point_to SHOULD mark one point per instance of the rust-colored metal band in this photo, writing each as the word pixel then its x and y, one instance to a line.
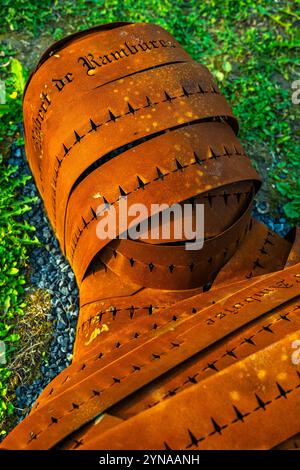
pixel 258 416
pixel 157 266
pixel 246 342
pixel 70 65
pixel 293 443
pixel 129 317
pixel 99 386
pixel 122 110
pixel 294 254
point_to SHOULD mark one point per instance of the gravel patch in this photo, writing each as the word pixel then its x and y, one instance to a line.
pixel 278 224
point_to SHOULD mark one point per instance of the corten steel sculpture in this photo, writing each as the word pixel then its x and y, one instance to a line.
pixel 175 349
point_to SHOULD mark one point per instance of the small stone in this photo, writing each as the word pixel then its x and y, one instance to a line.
pixel 64 291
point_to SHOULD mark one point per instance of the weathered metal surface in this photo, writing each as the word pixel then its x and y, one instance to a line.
pixel 178 349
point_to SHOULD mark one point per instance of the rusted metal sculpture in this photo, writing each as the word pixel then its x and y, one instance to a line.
pixel 175 349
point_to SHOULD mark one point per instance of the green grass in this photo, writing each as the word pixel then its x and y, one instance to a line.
pixel 250 46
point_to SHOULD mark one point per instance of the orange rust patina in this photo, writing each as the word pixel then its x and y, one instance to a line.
pixel 175 349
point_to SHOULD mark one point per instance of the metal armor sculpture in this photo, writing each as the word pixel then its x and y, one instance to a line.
pixel 175 349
